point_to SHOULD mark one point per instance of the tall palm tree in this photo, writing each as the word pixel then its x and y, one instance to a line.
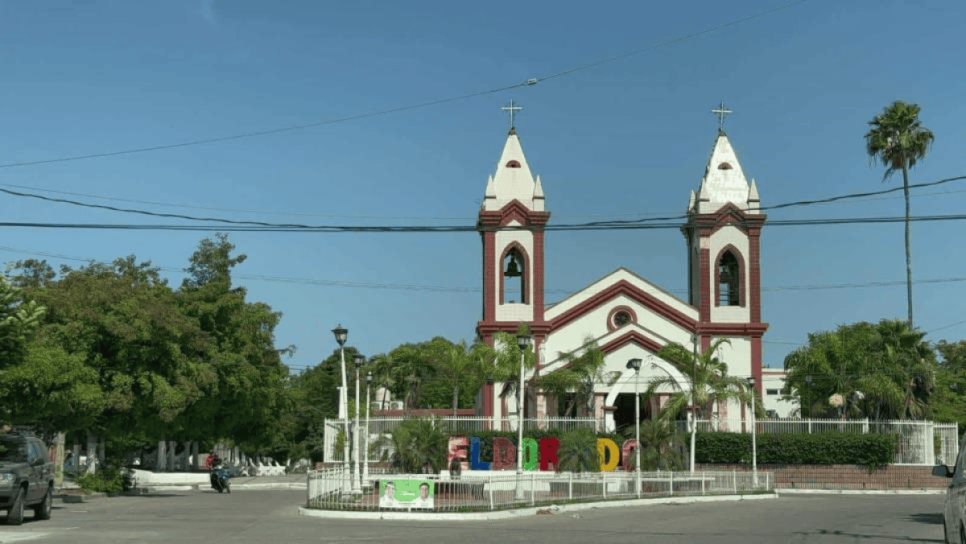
pixel 898 140
pixel 710 383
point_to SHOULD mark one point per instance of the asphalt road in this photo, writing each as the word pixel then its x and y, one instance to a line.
pixel 272 517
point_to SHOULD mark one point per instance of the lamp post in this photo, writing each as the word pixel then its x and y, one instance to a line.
pixel 692 413
pixel 635 364
pixel 754 444
pixel 359 360
pixel 365 465
pixel 341 333
pixel 523 342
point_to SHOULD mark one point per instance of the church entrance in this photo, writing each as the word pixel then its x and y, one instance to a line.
pixel 624 413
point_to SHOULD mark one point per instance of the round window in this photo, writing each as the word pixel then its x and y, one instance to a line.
pixel 622 318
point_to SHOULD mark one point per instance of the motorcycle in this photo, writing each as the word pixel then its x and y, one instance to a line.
pixel 220 479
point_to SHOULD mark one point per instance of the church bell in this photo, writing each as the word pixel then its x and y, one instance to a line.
pixel 512 270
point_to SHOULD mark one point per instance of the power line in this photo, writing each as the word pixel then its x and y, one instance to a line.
pixel 593 225
pixel 242 226
pixel 376 113
pixel 476 290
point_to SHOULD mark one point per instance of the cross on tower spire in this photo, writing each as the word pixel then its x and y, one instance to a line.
pixel 721 111
pixel 512 109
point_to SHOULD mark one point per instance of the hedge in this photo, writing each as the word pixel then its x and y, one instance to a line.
pixel 870 450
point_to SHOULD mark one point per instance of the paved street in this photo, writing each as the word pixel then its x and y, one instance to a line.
pixel 271 516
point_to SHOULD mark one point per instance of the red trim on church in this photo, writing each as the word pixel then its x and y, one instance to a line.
pixel 628 289
pixel 631 337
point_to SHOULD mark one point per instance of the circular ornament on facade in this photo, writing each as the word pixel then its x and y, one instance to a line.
pixel 620 316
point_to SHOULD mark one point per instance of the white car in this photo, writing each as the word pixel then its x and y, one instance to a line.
pixel 954 513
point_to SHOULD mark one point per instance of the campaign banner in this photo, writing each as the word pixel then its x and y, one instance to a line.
pixel 406 494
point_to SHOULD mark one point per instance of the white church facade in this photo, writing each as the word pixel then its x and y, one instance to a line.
pixel 625 314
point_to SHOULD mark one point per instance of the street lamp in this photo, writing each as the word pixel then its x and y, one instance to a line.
pixel 692 412
pixel 635 364
pixel 359 360
pixel 523 342
pixel 365 465
pixel 341 333
pixel 754 444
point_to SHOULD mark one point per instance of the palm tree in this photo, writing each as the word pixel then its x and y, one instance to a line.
pixel 710 383
pixel 898 140
pixel 577 377
pixel 459 366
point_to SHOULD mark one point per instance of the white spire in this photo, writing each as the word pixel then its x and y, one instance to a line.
pixel 724 181
pixel 512 180
pixel 538 200
pixel 754 202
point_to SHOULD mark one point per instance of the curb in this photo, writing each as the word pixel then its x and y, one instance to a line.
pixel 522 512
pixel 860 491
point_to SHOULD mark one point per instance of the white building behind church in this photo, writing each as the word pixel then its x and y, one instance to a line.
pixel 628 316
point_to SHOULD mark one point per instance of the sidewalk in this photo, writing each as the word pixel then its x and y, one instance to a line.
pixel 70 491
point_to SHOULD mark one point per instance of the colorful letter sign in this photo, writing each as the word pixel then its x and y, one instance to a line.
pixel 542 455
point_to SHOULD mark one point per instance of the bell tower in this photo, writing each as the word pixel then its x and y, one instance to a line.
pixel 511 224
pixel 723 233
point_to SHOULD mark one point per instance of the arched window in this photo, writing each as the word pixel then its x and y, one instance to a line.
pixel 729 280
pixel 514 278
pixel 513 164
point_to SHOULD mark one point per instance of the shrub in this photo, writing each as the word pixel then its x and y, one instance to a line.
pixel 417 443
pixel 105 480
pixel 578 451
pixel 870 450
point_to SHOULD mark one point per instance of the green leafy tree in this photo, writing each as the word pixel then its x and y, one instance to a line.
pixel 458 367
pixel 948 401
pixel 411 368
pixel 898 140
pixel 880 371
pixel 19 320
pixel 247 383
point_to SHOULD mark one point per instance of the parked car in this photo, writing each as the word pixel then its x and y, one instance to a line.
pixel 954 513
pixel 26 477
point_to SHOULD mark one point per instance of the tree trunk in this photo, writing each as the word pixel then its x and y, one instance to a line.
pixel 456 399
pixel 905 191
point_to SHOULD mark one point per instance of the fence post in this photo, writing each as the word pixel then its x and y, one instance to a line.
pixel 702 482
pixel 809 425
pixel 570 485
pixel 865 426
pixel 671 482
pixel 490 486
pixel 734 476
pixel 603 479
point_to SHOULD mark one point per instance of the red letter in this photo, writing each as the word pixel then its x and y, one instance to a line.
pixel 548 452
pixel 504 453
pixel 457 450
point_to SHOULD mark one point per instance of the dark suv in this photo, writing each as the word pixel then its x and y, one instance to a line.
pixel 26 477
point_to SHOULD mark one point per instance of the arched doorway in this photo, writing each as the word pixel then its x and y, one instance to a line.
pixel 624 411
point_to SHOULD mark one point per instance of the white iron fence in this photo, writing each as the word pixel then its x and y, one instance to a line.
pixel 383 426
pixel 335 489
pixel 920 442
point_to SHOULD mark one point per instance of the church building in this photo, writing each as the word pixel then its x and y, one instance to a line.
pixel 626 315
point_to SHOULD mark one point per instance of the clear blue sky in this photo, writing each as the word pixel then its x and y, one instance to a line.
pixel 620 140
